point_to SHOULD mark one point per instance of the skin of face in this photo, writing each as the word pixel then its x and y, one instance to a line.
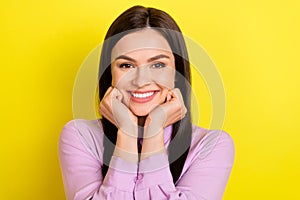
pixel 143 70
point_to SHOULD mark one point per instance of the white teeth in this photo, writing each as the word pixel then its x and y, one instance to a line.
pixel 142 95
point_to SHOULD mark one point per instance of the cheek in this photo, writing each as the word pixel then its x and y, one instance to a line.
pixel 165 78
pixel 122 79
pixel 122 85
pixel 117 77
pixel 166 82
pixel 121 82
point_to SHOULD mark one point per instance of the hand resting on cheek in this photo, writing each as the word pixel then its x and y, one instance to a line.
pixel 112 108
pixel 165 114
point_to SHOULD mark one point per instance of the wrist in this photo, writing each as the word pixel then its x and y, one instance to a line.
pixel 126 147
pixel 130 130
pixel 153 131
pixel 153 145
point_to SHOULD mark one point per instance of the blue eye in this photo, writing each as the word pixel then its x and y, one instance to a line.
pixel 158 65
pixel 126 65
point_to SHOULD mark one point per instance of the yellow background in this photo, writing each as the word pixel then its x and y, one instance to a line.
pixel 254 44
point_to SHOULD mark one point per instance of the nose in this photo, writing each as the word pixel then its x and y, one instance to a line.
pixel 142 76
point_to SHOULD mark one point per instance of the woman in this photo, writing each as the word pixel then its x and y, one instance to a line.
pixel 145 146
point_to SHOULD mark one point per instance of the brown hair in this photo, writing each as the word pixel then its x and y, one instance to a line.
pixel 134 18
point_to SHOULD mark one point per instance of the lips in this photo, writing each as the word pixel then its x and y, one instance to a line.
pixel 143 96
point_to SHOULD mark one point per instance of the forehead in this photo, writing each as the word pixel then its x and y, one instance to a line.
pixel 144 39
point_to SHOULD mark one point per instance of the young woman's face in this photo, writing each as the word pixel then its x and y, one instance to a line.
pixel 143 69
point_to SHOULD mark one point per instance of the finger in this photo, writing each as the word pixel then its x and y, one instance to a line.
pixel 104 110
pixel 119 95
pixel 179 99
pixel 169 96
pixel 176 93
pixel 106 113
pixel 116 94
pixel 108 91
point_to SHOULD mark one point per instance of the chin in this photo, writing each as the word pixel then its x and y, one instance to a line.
pixel 141 110
pixel 140 113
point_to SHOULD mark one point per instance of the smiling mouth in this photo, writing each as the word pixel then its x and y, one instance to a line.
pixel 143 97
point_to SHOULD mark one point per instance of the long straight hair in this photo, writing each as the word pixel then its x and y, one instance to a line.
pixel 139 17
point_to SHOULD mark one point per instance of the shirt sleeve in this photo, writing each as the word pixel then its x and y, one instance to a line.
pixel 205 178
pixel 82 175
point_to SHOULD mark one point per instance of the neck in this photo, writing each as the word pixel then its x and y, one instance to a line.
pixel 141 121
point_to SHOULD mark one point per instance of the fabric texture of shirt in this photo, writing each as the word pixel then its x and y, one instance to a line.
pixel 204 175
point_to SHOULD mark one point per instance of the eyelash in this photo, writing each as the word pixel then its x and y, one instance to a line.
pixel 161 65
pixel 128 65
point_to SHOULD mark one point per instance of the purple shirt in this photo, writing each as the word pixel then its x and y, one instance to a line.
pixel 204 175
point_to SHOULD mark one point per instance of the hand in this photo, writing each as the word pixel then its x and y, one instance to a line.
pixel 165 114
pixel 112 108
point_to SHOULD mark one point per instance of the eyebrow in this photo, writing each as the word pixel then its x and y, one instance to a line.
pixel 149 60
